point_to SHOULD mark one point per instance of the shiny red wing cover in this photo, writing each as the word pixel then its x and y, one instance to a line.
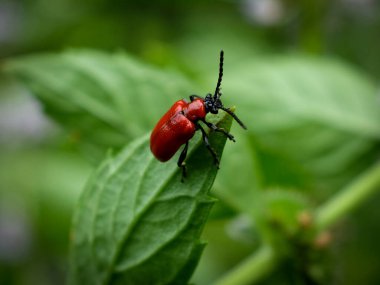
pixel 171 131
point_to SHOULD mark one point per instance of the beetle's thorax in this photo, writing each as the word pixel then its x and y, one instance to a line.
pixel 195 110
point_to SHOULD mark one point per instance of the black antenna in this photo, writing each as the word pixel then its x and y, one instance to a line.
pixel 217 90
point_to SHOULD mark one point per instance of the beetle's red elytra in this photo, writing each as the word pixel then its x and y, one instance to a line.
pixel 178 125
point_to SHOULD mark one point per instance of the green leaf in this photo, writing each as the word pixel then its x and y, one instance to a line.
pixel 319 116
pixel 242 192
pixel 104 100
pixel 136 223
pixel 298 89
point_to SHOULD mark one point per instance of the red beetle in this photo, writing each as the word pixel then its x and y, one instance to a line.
pixel 179 124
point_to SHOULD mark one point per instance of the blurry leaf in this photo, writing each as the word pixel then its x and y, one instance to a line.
pixel 136 223
pixel 278 168
pixel 102 99
pixel 296 89
pixel 239 181
pixel 320 116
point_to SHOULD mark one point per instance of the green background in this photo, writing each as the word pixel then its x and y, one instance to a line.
pixel 303 75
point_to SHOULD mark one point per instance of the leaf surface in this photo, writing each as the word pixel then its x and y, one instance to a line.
pixel 103 99
pixel 312 123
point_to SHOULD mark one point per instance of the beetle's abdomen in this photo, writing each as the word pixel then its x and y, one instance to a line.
pixel 172 131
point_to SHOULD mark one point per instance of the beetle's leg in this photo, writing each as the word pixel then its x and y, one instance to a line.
pixel 216 129
pixel 181 161
pixel 193 97
pixel 232 114
pixel 205 140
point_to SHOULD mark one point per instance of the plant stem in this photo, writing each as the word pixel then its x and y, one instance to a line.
pixel 252 269
pixel 349 198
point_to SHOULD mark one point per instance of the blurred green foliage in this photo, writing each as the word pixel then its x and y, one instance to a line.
pixel 303 74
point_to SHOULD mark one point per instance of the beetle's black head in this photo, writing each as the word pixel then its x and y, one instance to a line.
pixel 213 102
